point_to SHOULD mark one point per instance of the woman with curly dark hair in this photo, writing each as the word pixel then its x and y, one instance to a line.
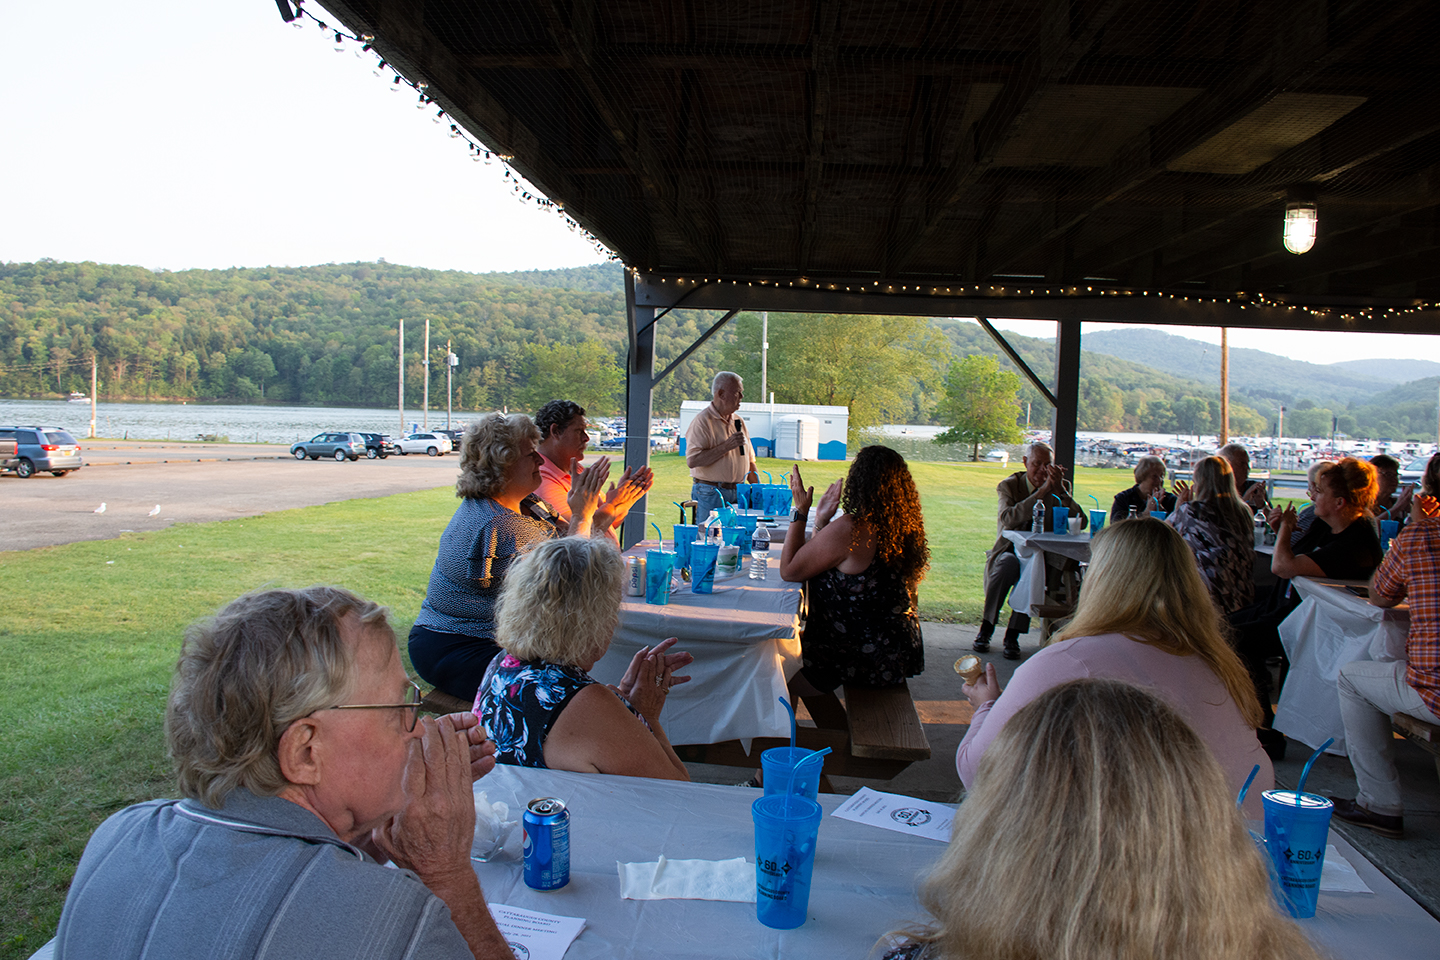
pixel 864 567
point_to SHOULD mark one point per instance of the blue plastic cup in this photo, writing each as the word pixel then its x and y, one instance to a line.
pixel 1097 521
pixel 1060 519
pixel 658 566
pixel 684 536
pixel 786 829
pixel 742 495
pixel 1159 514
pixel 737 536
pixel 1296 828
pixel 1389 530
pixel 702 566
pixel 777 762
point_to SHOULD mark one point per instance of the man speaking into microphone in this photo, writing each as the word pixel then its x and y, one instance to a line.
pixel 717 447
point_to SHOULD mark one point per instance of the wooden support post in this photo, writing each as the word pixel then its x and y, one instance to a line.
pixel 1067 393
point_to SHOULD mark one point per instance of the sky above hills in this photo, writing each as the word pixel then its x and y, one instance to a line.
pixel 213 135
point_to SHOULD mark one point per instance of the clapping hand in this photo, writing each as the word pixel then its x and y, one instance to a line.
pixel 829 503
pixel 1182 492
pixel 650 676
pixel 620 497
pixel 800 495
pixel 584 496
pixel 1424 508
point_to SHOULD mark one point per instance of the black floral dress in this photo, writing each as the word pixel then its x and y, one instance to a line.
pixel 519 701
pixel 863 630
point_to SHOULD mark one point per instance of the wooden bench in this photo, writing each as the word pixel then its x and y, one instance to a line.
pixel 1424 735
pixel 874 735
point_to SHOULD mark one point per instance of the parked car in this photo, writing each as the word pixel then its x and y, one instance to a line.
pixel 432 444
pixel 41 448
pixel 455 437
pixel 1414 471
pixel 378 445
pixel 341 446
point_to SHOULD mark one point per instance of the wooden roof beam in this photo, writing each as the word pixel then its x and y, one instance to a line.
pixel 1062 44
pixel 823 43
pixel 1148 154
pixel 574 35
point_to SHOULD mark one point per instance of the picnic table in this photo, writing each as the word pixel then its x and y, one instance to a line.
pixel 864 880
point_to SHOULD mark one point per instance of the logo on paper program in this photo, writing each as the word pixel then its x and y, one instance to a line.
pixel 910 816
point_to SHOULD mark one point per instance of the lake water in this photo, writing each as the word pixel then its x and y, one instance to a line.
pixel 238 422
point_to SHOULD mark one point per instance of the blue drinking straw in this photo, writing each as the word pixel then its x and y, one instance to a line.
pixel 767 475
pixel 658 534
pixel 791 711
pixel 1240 800
pixel 1092 497
pixel 1300 788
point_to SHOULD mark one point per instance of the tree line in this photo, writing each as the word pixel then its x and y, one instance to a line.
pixel 327 335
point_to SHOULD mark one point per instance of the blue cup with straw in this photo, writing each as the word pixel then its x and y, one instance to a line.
pixel 786 830
pixel 1297 826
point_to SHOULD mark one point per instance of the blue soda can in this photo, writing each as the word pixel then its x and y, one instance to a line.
pixel 547 844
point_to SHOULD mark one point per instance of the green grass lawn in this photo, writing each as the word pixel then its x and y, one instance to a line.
pixel 91 630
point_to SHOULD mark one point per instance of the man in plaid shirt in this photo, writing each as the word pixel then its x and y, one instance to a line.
pixel 1370 691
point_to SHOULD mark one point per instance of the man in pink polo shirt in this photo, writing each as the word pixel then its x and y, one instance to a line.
pixel 717 447
pixel 563 438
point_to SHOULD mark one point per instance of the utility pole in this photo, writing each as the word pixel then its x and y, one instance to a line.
pixel 425 416
pixel 451 361
pixel 1224 386
pixel 402 376
pixel 764 351
pixel 94 365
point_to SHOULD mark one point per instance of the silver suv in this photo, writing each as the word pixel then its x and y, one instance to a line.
pixel 42 449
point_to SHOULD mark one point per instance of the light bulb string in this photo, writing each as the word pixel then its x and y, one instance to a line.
pixel 478 151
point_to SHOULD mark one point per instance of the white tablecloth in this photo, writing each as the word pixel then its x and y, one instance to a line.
pixel 1330 628
pixel 863 885
pixel 1031 548
pixel 745 638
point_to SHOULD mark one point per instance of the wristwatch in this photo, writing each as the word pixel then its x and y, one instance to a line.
pixel 798 516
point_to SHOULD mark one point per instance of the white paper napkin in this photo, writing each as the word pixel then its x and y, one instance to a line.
pixel 1338 876
pixel 688 880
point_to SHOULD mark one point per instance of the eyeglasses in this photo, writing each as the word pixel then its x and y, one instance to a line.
pixel 416 696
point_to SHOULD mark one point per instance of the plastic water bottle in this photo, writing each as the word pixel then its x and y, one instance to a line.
pixel 1037 518
pixel 759 552
pixel 1259 529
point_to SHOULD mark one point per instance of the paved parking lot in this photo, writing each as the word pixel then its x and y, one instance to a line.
pixel 191 483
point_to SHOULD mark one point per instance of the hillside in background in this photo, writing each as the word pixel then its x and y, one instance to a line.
pixel 1391 371
pixel 1252 372
pixel 327 335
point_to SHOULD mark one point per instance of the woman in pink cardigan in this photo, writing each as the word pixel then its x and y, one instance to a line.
pixel 1144 617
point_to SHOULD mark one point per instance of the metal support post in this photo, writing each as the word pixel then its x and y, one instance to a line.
pixel 639 380
pixel 1067 393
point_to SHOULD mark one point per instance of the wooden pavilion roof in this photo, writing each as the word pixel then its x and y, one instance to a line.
pixel 1114 143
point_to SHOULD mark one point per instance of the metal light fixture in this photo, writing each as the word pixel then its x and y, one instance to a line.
pixel 1300 222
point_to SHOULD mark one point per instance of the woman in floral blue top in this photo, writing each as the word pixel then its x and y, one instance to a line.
pixel 556 614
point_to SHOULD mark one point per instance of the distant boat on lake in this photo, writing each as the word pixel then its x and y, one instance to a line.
pixel 78 397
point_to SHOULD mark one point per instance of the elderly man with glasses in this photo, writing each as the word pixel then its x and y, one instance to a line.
pixel 304 767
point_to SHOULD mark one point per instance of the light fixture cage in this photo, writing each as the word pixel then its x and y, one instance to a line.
pixel 1300 223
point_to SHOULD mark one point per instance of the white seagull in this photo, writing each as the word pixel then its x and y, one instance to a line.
pixel 100 509
pixel 155 512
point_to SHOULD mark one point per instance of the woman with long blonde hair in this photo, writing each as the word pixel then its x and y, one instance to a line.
pixel 1100 826
pixel 1144 617
pixel 1219 530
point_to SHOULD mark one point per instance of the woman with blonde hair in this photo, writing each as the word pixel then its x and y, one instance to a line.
pixel 542 708
pixel 499 518
pixel 1219 530
pixel 1144 617
pixel 1099 826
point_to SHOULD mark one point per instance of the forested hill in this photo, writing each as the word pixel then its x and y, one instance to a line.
pixel 1253 372
pixel 323 334
pixel 327 335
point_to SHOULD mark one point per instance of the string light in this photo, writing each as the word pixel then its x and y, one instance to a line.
pixel 478 152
